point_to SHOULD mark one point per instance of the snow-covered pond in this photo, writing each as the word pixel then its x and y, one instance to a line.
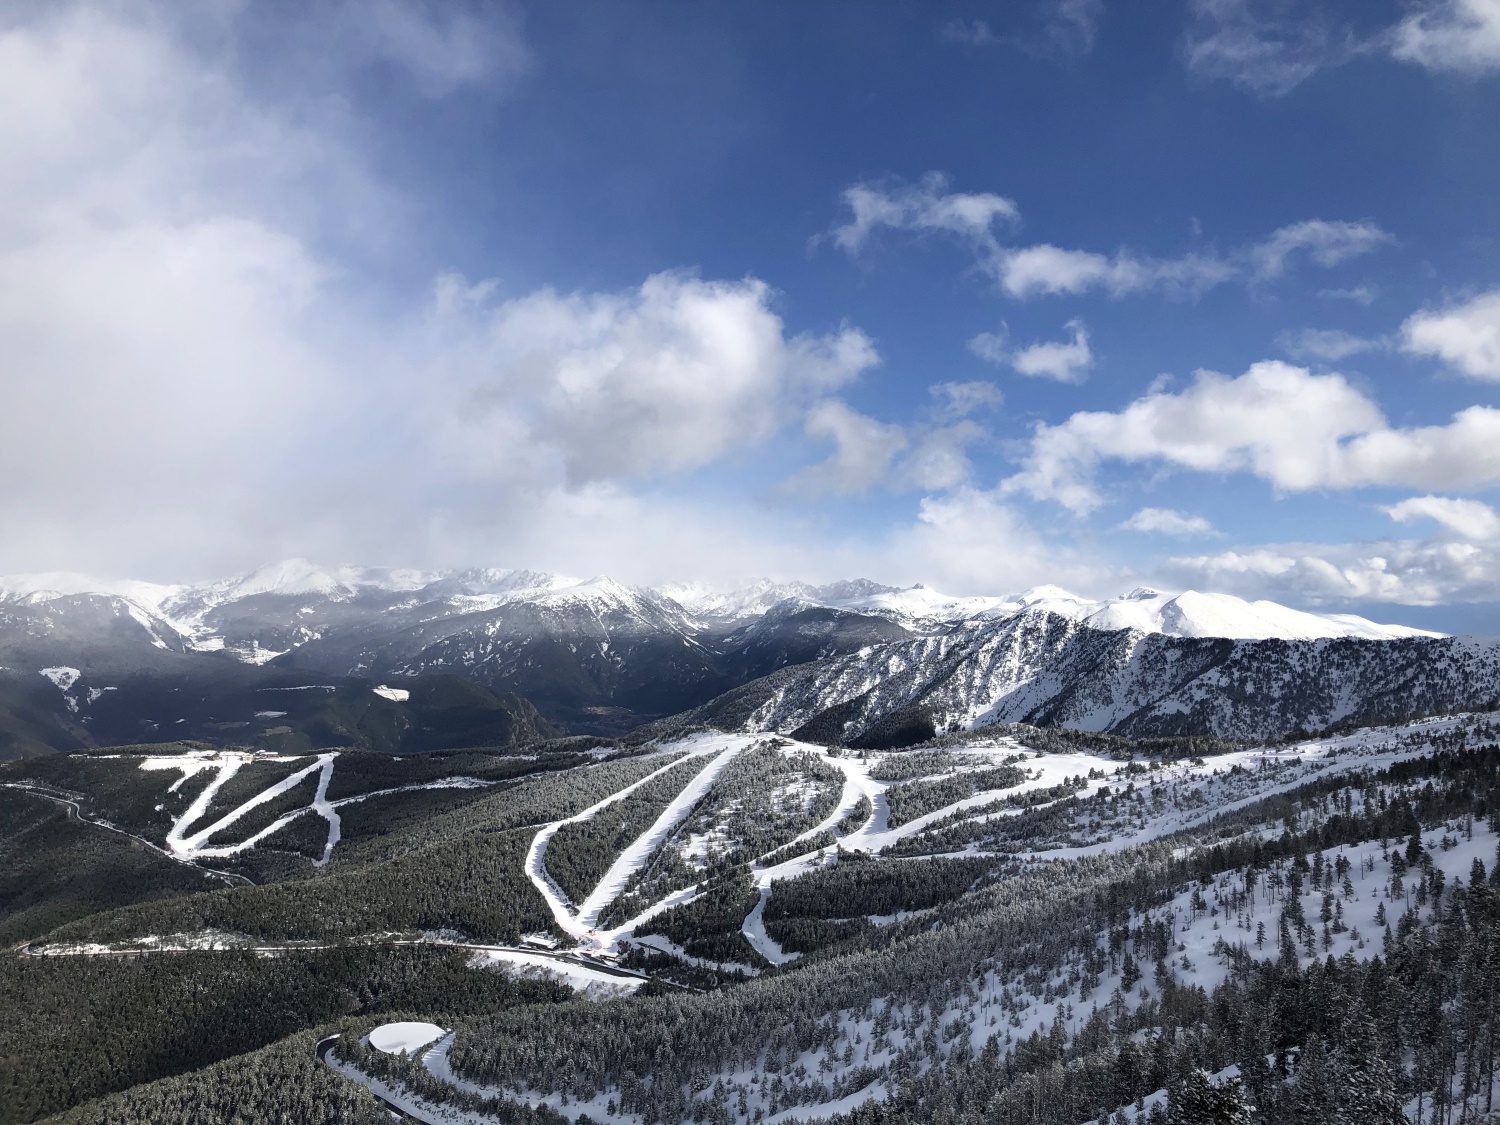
pixel 394 1038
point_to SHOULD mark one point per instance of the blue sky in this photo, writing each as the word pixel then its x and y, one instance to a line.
pixel 982 295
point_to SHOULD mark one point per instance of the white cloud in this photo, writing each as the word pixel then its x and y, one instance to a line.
pixel 1297 430
pixel 970 540
pixel 1329 344
pixel 1466 336
pixel 922 207
pixel 1047 270
pixel 959 400
pixel 1326 243
pixel 1269 47
pixel 992 347
pixel 1451 35
pixel 1066 361
pixel 1472 519
pixel 1404 572
pixel 665 378
pixel 1168 521
pixel 929 457
pixel 862 455
pixel 1073 25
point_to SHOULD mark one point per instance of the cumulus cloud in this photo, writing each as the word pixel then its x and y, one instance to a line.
pixel 190 387
pixel 1066 361
pixel 1047 270
pixel 663 378
pixel 1464 336
pixel 1295 429
pixel 927 206
pixel 1471 519
pixel 972 539
pixel 1328 344
pixel 1168 521
pixel 931 455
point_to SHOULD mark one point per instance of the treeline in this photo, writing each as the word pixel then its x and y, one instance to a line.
pixel 764 799
pixel 1065 740
pixel 709 926
pixel 1039 922
pixel 279 1085
pixel 912 799
pixel 76 1028
pixel 55 870
pixel 859 886
pixel 475 884
pixel 580 853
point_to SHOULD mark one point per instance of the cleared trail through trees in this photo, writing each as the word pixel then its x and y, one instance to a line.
pixel 580 924
pixel 184 846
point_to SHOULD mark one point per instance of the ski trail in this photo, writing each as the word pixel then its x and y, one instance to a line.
pixel 321 806
pixel 754 929
pixel 634 857
pixel 536 868
pixel 195 811
pixel 193 845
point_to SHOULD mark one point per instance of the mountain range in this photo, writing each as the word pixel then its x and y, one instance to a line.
pixel 849 661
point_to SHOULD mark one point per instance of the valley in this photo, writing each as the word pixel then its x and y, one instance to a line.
pixel 1013 866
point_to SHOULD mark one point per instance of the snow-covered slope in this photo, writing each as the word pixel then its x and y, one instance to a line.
pixel 1050 669
pixel 1188 614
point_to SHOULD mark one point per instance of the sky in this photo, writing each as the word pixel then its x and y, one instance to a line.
pixel 1200 294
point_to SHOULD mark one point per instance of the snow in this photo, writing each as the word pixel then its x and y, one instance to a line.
pixel 405 1038
pixel 1195 614
pixel 394 694
pixel 754 929
pixel 62 676
pixel 594 983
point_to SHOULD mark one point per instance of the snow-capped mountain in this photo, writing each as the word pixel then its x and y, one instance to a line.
pixel 595 654
pixel 1051 669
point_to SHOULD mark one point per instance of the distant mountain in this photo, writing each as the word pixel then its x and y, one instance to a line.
pixel 593 655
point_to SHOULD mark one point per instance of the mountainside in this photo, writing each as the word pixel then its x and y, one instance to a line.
pixel 729 928
pixel 1047 669
pixel 600 657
